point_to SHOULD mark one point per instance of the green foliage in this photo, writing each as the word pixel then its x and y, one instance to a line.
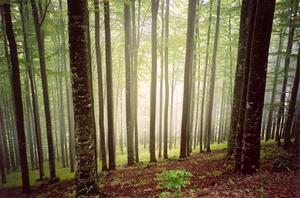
pixel 164 194
pixel 173 179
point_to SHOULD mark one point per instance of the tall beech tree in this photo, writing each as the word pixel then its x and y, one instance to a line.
pixel 292 105
pixel 85 172
pixel 240 67
pixel 102 148
pixel 42 58
pixel 129 127
pixel 256 85
pixel 17 94
pixel 187 75
pixel 154 10
pixel 212 79
pixel 109 84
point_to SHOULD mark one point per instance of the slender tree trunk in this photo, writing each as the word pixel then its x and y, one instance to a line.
pixel 161 79
pixel 17 96
pixel 100 85
pixel 202 128
pixel 135 46
pixel 2 148
pixel 109 84
pixel 256 86
pixel 154 10
pixel 280 117
pixel 41 49
pixel 82 99
pixel 187 75
pixel 292 105
pixel 212 79
pixel 274 88
pixel 129 122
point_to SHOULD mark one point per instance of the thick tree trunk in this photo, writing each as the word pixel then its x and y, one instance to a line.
pixel 109 84
pixel 82 98
pixel 239 76
pixel 256 86
pixel 187 75
pixel 243 99
pixel 17 97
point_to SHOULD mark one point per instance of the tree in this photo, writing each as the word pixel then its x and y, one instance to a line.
pixel 41 49
pixel 166 131
pixel 154 10
pixel 212 79
pixel 187 76
pixel 82 99
pixel 270 116
pixel 17 95
pixel 256 86
pixel 100 85
pixel 205 78
pixel 241 62
pixel 243 100
pixel 2 152
pixel 127 27
pixel 292 105
pixel 109 83
pixel 280 117
pixel 29 69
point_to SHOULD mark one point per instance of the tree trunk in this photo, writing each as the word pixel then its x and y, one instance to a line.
pixel 154 10
pixel 202 128
pixel 212 79
pixel 127 27
pixel 239 76
pixel 100 85
pixel 41 49
pixel 243 99
pixel 292 105
pixel 82 99
pixel 280 117
pixel 274 88
pixel 109 84
pixel 187 75
pixel 256 86
pixel 17 96
pixel 2 148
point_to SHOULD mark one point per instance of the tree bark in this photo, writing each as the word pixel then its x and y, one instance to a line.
pixel 109 84
pixel 82 99
pixel 187 75
pixel 292 105
pixel 100 85
pixel 129 127
pixel 256 86
pixel 212 79
pixel 17 96
pixel 154 10
pixel 41 49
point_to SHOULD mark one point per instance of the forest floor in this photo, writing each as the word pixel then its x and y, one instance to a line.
pixel 211 175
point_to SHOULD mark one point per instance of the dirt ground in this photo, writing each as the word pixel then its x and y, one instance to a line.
pixel 212 176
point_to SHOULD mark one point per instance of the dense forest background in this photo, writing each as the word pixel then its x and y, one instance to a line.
pixel 169 77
